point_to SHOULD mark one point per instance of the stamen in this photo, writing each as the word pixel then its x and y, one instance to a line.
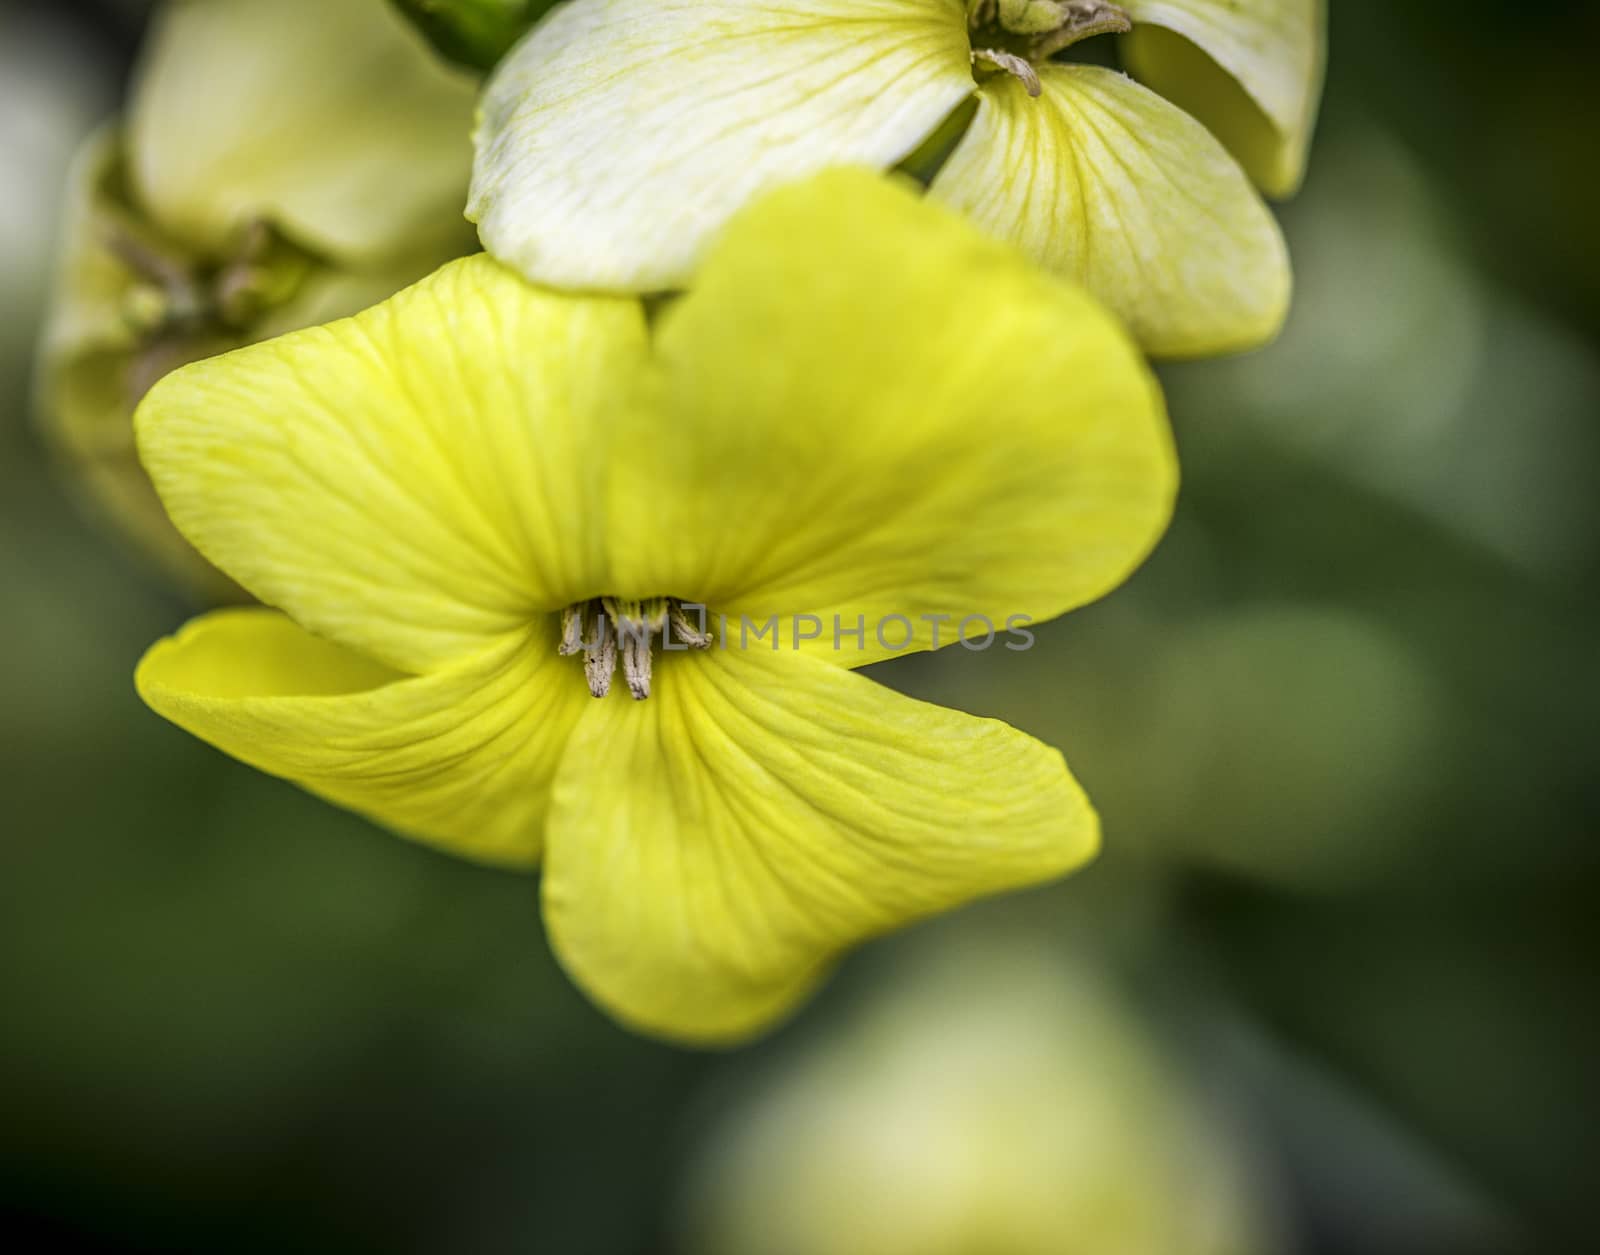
pixel 192 294
pixel 600 656
pixel 239 291
pixel 604 627
pixel 1019 67
pixel 688 633
pixel 637 623
pixel 1080 20
pixel 571 631
pixel 167 295
pixel 151 264
pixel 636 653
pixel 1011 33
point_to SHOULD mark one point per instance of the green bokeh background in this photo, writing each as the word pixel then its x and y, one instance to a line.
pixel 1341 728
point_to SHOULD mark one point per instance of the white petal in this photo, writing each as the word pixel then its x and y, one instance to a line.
pixel 1251 70
pixel 330 118
pixel 1104 181
pixel 620 135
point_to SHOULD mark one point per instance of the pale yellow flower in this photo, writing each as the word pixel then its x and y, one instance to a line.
pixel 620 134
pixel 990 1100
pixel 280 163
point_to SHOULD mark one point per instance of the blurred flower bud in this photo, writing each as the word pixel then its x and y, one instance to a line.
pixel 282 163
pixel 996 1103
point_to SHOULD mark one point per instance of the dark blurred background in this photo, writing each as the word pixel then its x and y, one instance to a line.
pixel 1341 730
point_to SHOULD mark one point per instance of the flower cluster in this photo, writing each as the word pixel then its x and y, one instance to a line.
pixel 720 365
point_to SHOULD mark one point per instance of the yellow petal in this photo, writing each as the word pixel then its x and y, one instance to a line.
pixel 872 410
pixel 1251 70
pixel 332 119
pixel 1102 180
pixel 712 849
pixel 462 758
pixel 620 135
pixel 411 482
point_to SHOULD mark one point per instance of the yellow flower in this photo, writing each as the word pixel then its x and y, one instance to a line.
pixel 282 163
pixel 449 494
pixel 620 134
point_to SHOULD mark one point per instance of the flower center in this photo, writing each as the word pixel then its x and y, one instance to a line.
pixel 1017 36
pixel 604 628
pixel 176 298
pixel 173 293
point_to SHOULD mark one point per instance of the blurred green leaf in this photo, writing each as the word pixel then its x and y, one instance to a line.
pixel 475 33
